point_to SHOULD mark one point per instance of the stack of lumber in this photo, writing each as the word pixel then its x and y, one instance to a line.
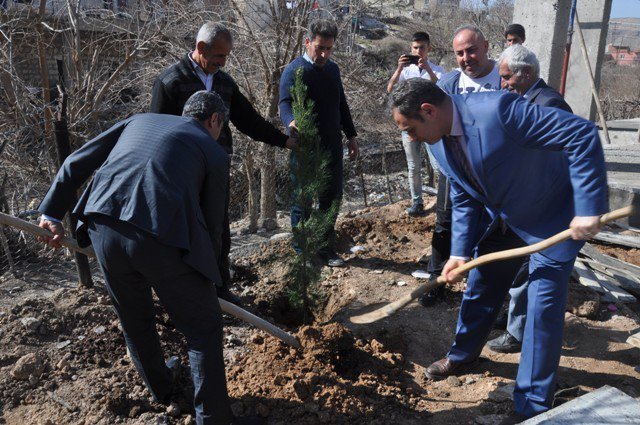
pixel 616 280
pixel 619 234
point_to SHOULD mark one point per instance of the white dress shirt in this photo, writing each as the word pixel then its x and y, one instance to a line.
pixel 207 79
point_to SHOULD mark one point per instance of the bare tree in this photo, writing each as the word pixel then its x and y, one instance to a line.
pixel 620 91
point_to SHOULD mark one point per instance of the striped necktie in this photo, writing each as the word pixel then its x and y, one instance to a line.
pixel 462 161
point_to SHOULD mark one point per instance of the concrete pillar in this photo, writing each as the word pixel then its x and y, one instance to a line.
pixel 545 23
pixel 594 20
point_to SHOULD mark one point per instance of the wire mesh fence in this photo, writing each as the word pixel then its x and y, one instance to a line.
pixel 22 258
pixel 378 177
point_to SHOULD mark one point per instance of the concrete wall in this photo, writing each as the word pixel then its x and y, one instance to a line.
pixel 545 23
pixel 594 20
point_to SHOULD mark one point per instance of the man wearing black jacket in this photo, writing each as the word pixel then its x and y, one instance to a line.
pixel 201 70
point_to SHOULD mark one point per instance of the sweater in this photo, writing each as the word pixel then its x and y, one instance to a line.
pixel 324 87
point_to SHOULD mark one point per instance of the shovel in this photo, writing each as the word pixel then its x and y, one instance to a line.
pixel 226 306
pixel 392 308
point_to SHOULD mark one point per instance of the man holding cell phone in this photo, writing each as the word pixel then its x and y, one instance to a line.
pixel 415 65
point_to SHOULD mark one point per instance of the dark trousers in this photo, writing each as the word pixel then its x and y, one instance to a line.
pixel 223 262
pixel 441 240
pixel 487 288
pixel 331 194
pixel 134 263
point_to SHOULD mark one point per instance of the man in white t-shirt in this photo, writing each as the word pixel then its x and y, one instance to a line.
pixel 476 73
pixel 416 65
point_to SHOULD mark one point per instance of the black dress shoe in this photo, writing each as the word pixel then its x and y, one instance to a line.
pixel 444 368
pixel 505 343
pixel 225 293
pixel 432 297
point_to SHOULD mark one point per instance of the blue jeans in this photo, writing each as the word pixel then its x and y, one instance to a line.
pixel 412 151
pixel 134 263
pixel 414 162
pixel 518 303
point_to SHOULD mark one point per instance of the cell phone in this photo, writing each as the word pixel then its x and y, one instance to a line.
pixel 413 59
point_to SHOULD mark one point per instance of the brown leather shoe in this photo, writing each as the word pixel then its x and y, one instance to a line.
pixel 444 368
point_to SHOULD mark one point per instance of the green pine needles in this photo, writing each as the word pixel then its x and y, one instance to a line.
pixel 309 167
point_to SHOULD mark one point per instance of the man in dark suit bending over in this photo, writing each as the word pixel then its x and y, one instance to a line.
pixel 154 213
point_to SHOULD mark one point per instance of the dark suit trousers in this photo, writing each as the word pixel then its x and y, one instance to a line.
pixel 441 240
pixel 224 263
pixel 133 264
pixel 331 194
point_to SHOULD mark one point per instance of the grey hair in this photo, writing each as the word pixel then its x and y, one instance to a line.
pixel 519 58
pixel 210 31
pixel 409 95
pixel 322 28
pixel 477 31
pixel 202 104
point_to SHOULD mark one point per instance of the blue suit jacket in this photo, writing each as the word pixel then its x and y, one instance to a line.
pixel 164 174
pixel 538 167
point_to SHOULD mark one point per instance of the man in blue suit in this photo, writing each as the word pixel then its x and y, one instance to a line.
pixel 154 213
pixel 540 170
pixel 520 72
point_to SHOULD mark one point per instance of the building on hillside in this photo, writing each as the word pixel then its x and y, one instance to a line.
pixel 100 9
pixel 430 6
pixel 624 55
pixel 624 32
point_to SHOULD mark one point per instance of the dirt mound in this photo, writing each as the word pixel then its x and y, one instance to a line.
pixel 386 232
pixel 335 378
pixel 86 374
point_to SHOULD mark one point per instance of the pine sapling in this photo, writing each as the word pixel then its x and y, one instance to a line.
pixel 310 168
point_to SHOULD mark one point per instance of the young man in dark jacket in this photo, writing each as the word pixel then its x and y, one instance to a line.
pixel 324 87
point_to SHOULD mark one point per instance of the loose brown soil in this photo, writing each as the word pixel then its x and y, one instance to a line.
pixel 77 371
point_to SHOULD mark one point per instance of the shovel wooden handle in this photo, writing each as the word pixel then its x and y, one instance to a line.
pixel 226 306
pixel 393 307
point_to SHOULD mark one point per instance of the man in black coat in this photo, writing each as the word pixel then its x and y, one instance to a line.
pixel 154 213
pixel 520 72
pixel 201 70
